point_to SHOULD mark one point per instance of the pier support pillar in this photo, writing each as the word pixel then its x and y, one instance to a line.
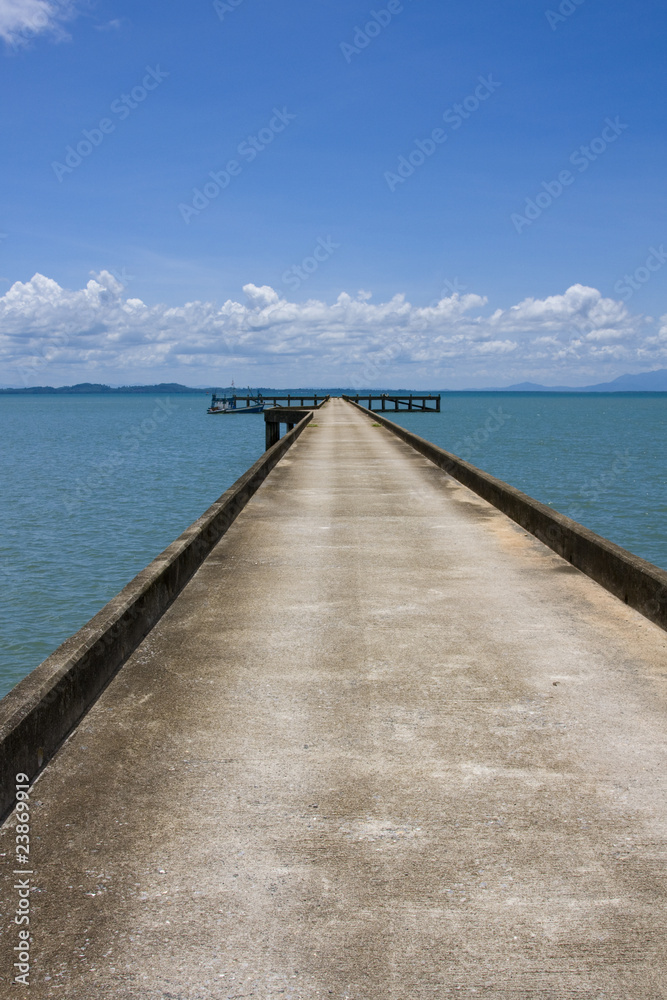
pixel 272 434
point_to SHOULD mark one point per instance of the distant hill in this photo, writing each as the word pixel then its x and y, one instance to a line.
pixel 644 382
pixel 95 388
pixel 87 388
pixel 531 387
pixel 655 381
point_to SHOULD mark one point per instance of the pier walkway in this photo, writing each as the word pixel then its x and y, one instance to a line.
pixel 384 746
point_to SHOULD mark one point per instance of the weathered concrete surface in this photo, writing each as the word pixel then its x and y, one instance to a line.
pixel 634 580
pixel 384 746
pixel 46 705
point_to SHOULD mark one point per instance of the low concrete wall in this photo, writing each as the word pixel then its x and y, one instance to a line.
pixel 635 581
pixel 37 715
pixel 277 415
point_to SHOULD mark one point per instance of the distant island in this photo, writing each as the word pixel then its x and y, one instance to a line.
pixel 655 381
pixel 94 388
pixel 644 382
pixel 88 388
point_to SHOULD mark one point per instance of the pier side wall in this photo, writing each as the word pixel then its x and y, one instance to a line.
pixel 638 583
pixel 43 708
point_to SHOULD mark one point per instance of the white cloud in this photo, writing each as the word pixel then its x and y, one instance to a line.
pixel 96 333
pixel 22 19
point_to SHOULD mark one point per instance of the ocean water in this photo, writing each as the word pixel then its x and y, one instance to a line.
pixel 94 487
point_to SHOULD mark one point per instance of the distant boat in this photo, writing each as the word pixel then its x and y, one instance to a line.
pixel 225 404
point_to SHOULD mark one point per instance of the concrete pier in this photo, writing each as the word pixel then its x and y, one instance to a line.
pixel 385 745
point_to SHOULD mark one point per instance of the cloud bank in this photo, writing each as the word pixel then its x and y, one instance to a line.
pixel 97 334
pixel 21 20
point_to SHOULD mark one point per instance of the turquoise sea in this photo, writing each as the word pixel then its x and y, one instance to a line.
pixel 93 487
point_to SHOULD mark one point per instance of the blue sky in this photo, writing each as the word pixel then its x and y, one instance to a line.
pixel 478 266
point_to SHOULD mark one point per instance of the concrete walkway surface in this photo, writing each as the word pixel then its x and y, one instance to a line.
pixel 384 746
